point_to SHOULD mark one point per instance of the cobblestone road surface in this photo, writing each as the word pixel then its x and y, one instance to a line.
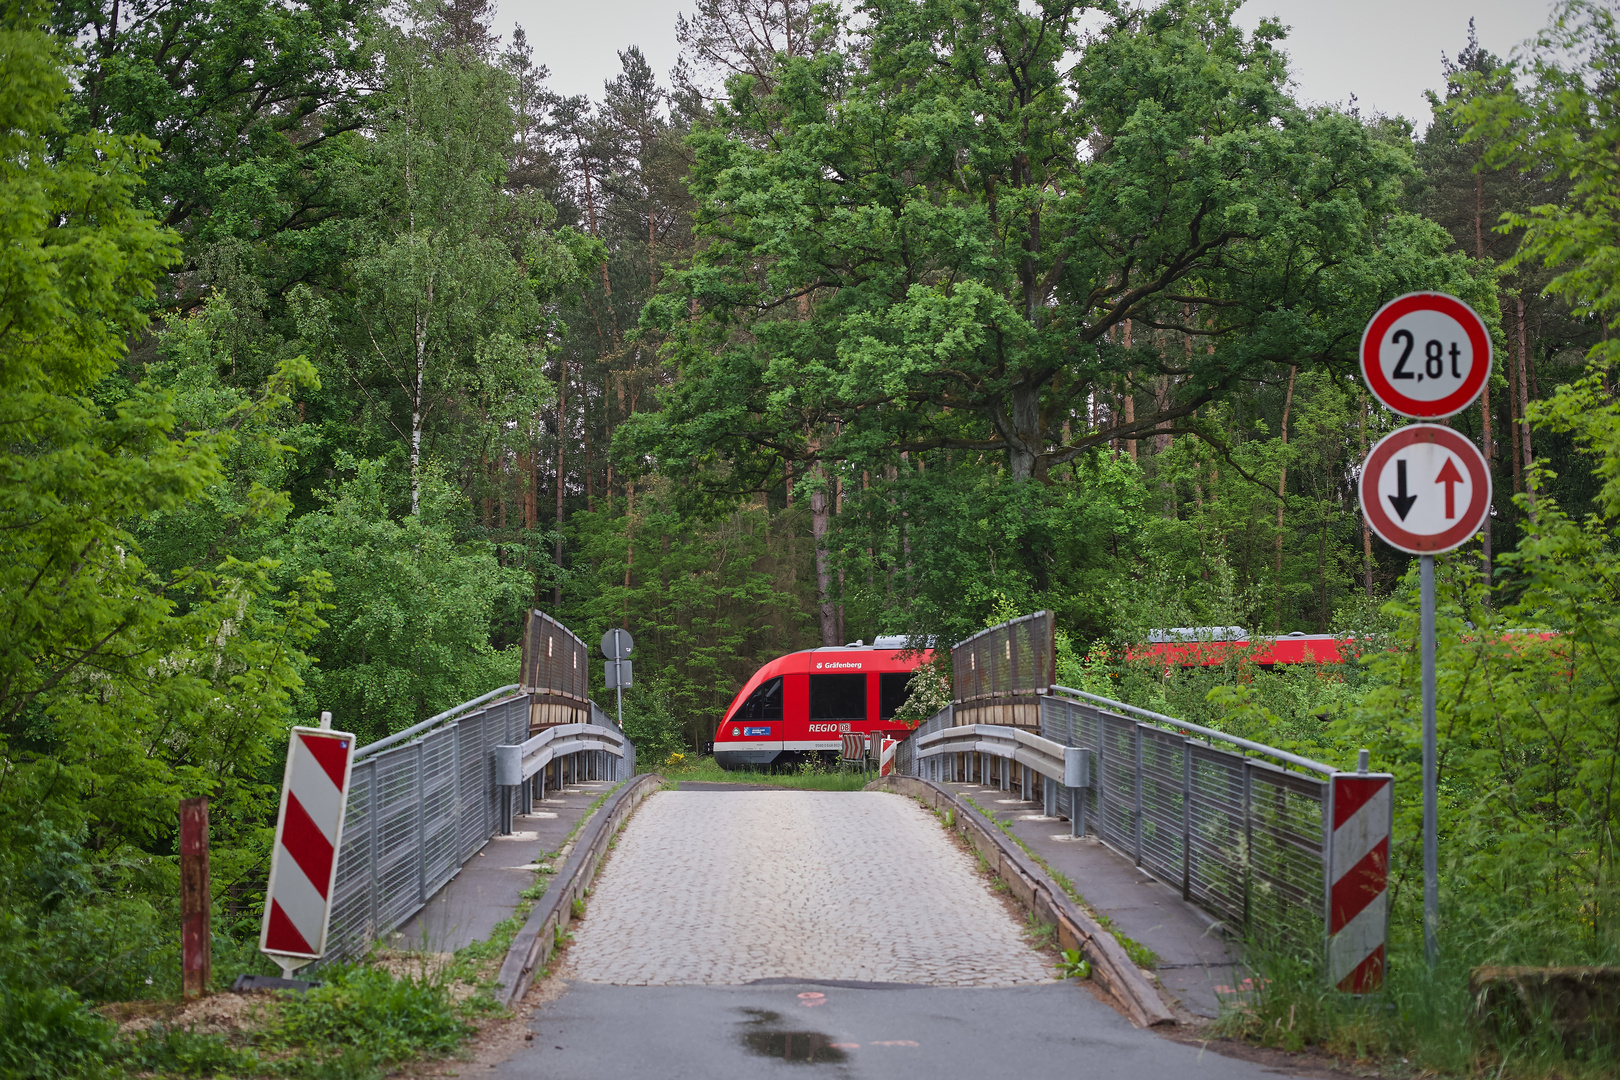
pixel 721 888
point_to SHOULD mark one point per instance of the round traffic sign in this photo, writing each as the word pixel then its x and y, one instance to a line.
pixel 1426 355
pixel 1425 489
pixel 616 644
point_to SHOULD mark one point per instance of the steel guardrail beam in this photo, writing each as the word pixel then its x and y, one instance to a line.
pixel 515 764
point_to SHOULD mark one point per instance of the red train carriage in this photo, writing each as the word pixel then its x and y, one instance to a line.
pixel 797 706
pixel 1199 647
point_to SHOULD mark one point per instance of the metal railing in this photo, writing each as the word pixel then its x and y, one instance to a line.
pixel 1245 838
pixel 423 801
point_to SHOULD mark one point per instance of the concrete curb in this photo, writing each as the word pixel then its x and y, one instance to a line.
pixel 532 946
pixel 1034 888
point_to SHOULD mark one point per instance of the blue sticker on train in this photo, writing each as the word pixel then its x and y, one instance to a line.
pixel 756 731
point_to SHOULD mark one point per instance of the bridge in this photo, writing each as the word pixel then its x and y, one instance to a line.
pixel 912 928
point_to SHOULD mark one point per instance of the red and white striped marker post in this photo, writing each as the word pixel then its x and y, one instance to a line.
pixel 303 863
pixel 886 756
pixel 1362 806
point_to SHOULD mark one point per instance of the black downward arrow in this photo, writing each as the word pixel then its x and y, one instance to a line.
pixel 1402 502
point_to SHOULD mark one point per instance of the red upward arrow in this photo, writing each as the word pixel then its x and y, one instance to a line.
pixel 1450 477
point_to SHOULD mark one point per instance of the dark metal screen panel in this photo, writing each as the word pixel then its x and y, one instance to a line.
pixel 1011 659
pixel 555 660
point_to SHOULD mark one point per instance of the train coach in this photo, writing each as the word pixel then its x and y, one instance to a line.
pixel 797 707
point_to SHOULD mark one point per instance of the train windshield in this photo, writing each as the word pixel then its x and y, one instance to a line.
pixel 893 687
pixel 765 703
pixel 838 697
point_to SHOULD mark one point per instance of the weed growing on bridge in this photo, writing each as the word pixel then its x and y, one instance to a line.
pixel 1424 1017
pixel 1040 932
pixel 1073 965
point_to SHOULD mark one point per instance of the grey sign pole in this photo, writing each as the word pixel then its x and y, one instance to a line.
pixel 1450 328
pixel 1431 794
pixel 616 646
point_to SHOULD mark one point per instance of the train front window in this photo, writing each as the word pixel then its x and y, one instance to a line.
pixel 765 703
pixel 838 697
pixel 893 689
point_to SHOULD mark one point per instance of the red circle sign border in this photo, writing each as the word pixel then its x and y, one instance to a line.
pixel 1472 519
pixel 1392 398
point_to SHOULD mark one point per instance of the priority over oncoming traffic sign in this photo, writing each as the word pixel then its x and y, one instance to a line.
pixel 1425 489
pixel 1426 355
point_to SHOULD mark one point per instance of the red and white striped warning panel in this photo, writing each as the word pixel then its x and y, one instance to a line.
pixel 1362 806
pixel 303 863
pixel 886 757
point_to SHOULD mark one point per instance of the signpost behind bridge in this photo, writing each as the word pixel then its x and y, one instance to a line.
pixel 616 646
pixel 1424 488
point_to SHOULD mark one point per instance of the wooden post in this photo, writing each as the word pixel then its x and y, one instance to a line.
pixel 195 931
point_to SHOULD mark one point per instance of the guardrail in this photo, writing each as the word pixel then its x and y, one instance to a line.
pixel 1246 837
pixel 424 800
pixel 596 751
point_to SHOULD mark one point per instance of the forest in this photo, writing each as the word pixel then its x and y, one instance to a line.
pixel 332 340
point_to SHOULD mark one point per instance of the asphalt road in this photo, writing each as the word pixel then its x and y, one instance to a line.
pixel 805 1029
pixel 724 936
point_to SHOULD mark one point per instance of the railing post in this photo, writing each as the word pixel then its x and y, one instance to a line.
pixel 421 823
pixel 374 791
pixel 455 792
pixel 1248 838
pixel 1186 818
pixel 1137 788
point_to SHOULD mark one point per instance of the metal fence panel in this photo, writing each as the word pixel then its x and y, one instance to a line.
pixel 420 809
pixel 1239 836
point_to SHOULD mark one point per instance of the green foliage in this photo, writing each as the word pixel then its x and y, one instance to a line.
pixel 1562 122
pixel 370 1013
pixel 650 721
pixel 711 599
pixel 810 776
pixel 48 1032
pixel 411 603
pixel 170 1051
pixel 1073 965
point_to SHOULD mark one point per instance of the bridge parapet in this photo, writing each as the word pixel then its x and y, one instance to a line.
pixel 1244 830
pixel 424 800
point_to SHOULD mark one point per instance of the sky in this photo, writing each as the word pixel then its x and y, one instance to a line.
pixel 1385 52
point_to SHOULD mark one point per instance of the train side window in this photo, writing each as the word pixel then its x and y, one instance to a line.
pixel 765 703
pixel 893 689
pixel 838 697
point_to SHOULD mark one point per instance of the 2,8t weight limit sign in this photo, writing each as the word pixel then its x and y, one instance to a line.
pixel 1426 355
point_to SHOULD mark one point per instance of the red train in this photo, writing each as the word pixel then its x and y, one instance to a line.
pixel 797 706
pixel 1266 651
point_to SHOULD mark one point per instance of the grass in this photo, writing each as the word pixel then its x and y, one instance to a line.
pixel 1141 955
pixel 809 776
pixel 1423 1019
pixel 360 1023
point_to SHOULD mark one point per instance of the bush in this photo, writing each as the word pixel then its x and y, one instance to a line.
pixel 48 1032
pixel 368 1010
